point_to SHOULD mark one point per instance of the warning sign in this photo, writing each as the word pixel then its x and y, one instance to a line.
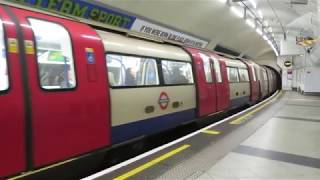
pixel 29 47
pixel 164 100
pixel 13 45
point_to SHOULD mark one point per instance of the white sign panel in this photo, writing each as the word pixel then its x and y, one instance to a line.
pixel 165 33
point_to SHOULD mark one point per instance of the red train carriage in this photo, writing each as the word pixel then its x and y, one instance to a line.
pixel 67 89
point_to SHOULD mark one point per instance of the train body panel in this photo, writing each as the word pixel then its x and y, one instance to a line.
pixel 13 110
pixel 131 116
pixel 66 88
pixel 152 86
pixel 121 44
pixel 239 82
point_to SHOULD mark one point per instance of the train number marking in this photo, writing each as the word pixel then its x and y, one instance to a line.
pixel 164 100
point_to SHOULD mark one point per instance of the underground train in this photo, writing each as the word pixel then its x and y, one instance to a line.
pixel 68 88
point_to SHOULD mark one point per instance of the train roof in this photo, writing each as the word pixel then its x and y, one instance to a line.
pixel 123 44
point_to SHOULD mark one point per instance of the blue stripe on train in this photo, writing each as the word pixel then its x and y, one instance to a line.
pixel 148 126
pixel 238 102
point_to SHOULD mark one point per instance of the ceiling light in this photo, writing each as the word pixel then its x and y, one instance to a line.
pixel 253 3
pixel 250 23
pixel 236 11
pixel 265 37
pixel 222 1
pixel 259 31
pixel 260 14
pixel 270 29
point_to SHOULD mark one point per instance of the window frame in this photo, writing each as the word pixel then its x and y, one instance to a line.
pixel 5 41
pixel 132 55
pixel 159 70
pixel 183 84
pixel 216 62
pixel 238 75
pixel 36 56
pixel 243 81
pixel 210 68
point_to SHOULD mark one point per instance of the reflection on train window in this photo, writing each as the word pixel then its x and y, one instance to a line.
pixel 4 79
pixel 54 52
pixel 244 76
pixel 233 75
pixel 131 71
pixel 218 70
pixel 254 74
pixel 265 77
pixel 207 67
pixel 175 73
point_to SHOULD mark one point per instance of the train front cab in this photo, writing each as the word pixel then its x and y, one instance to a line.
pixel 55 91
pixel 212 83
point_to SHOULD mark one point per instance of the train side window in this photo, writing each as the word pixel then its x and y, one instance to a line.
pixel 131 71
pixel 244 76
pixel 207 68
pixel 233 75
pixel 176 73
pixel 54 55
pixel 218 70
pixel 4 79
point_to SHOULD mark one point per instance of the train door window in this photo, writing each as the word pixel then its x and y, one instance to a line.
pixel 207 67
pixel 253 74
pixel 233 75
pixel 131 71
pixel 4 79
pixel 218 70
pixel 244 76
pixel 265 77
pixel 54 55
pixel 177 73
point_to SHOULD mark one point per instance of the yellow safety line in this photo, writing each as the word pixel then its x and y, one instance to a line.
pixel 244 117
pixel 211 132
pixel 151 163
pixel 40 170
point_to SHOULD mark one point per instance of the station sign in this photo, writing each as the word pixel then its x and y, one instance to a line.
pixel 152 29
pixel 103 14
pixel 83 9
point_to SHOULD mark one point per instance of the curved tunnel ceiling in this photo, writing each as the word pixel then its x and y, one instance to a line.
pixel 209 19
pixel 214 21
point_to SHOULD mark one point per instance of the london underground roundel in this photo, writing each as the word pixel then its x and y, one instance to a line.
pixel 163 100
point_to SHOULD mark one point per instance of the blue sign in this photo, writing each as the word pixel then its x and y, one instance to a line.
pixel 83 9
pixel 90 56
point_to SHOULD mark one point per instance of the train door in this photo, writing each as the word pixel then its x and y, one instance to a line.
pixel 12 113
pixel 68 93
pixel 206 90
pixel 222 85
pixel 253 82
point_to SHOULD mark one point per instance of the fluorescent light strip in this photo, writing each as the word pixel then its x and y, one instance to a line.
pixel 253 3
pixel 259 31
pixel 236 11
pixel 250 23
pixel 260 14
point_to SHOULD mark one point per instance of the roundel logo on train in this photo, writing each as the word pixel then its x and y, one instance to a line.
pixel 163 100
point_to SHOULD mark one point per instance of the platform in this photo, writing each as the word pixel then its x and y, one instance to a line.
pixel 276 139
